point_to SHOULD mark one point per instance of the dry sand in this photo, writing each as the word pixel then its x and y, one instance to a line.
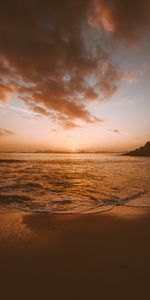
pixel 104 256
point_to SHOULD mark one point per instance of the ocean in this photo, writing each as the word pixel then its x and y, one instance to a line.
pixel 72 183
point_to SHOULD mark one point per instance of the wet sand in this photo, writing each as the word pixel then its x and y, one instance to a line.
pixel 104 256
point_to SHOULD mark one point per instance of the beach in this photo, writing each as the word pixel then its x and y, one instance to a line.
pixel 58 256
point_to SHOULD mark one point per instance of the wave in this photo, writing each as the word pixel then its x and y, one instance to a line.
pixel 25 204
pixel 24 186
pixel 11 161
pixel 5 199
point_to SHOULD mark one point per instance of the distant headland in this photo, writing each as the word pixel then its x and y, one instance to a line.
pixel 142 151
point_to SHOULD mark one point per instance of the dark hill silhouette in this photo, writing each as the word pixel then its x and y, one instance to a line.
pixel 142 151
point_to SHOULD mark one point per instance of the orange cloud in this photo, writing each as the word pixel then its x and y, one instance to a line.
pixel 5 92
pixel 5 132
pixel 129 77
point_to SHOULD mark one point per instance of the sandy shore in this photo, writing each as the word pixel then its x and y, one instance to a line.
pixel 104 256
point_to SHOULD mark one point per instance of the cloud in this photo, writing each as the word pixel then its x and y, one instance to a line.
pixel 5 92
pixel 46 57
pixel 67 122
pixel 125 20
pixel 5 132
pixel 130 77
pixel 115 131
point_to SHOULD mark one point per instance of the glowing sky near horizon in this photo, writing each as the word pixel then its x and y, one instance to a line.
pixel 74 75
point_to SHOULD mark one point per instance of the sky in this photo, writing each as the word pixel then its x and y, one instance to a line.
pixel 74 75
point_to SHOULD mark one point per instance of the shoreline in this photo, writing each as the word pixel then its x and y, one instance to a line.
pixel 102 256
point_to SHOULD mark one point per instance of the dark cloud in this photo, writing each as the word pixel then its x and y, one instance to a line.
pixel 46 58
pixel 5 132
pixel 49 58
pixel 125 19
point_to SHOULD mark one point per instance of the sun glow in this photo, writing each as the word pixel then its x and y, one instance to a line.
pixel 74 147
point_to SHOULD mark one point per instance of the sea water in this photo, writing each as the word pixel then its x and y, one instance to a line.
pixel 72 183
